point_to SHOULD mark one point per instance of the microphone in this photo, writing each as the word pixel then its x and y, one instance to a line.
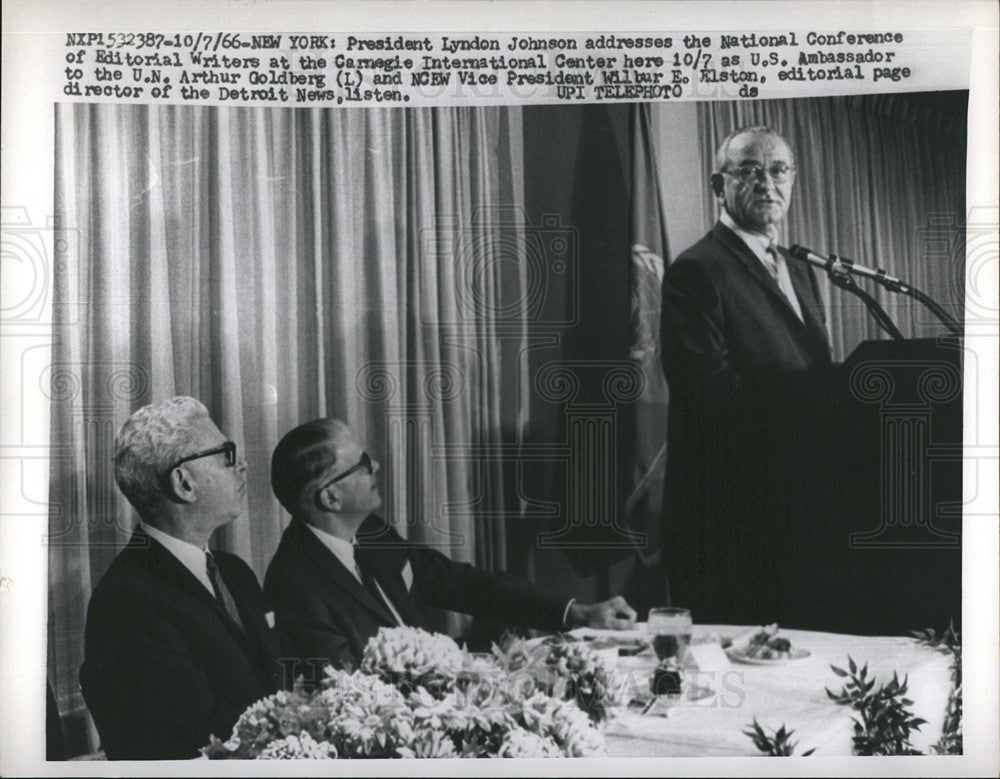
pixel 840 270
pixel 835 264
pixel 803 254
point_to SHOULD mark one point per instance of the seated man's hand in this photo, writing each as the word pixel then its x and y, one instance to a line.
pixel 613 614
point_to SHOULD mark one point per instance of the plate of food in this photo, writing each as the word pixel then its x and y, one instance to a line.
pixel 637 646
pixel 763 646
pixel 628 643
pixel 626 647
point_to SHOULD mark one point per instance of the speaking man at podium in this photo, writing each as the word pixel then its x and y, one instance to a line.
pixel 738 315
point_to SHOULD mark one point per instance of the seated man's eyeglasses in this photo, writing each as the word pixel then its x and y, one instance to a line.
pixel 228 449
pixel 365 462
pixel 750 173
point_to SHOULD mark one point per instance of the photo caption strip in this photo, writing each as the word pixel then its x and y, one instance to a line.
pixel 283 69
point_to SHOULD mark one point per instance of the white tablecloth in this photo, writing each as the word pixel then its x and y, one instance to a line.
pixel 791 695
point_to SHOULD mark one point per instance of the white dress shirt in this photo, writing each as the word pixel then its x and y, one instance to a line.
pixel 344 551
pixel 190 556
pixel 776 266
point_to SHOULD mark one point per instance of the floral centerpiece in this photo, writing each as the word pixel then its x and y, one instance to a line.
pixel 416 695
pixel 349 715
pixel 566 670
pixel 409 658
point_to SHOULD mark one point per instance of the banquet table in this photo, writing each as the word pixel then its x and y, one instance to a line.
pixel 790 694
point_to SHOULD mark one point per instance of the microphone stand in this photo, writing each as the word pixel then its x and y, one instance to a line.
pixel 895 285
pixel 840 270
pixel 879 314
pixel 839 277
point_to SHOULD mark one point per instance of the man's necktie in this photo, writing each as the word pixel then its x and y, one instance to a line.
pixel 779 271
pixel 222 593
pixel 375 591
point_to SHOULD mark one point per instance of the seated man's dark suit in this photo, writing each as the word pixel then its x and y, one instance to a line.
pixel 165 667
pixel 327 614
pixel 735 355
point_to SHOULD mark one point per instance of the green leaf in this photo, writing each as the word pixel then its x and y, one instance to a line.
pixel 838 671
pixel 852 665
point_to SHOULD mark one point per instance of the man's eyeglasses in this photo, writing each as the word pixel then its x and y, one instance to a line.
pixel 365 462
pixel 750 173
pixel 228 449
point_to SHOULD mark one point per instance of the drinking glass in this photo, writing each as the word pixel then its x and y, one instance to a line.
pixel 671 629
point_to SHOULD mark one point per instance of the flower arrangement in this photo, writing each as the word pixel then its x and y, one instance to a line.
pixel 564 723
pixel 472 708
pixel 524 743
pixel 301 747
pixel 409 657
pixel 349 715
pixel 566 670
pixel 365 717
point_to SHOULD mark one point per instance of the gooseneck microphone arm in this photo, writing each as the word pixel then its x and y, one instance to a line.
pixel 838 269
pixel 879 314
pixel 841 278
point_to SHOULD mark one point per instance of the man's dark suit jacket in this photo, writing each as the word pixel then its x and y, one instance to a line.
pixel 329 616
pixel 737 360
pixel 164 666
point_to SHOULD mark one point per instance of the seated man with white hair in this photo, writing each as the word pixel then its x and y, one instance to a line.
pixel 178 640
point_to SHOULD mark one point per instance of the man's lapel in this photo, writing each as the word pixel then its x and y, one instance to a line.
pixel 385 566
pixel 336 574
pixel 168 568
pixel 750 261
pixel 802 282
pixel 261 642
pixel 756 268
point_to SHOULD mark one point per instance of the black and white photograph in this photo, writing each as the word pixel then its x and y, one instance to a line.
pixel 535 428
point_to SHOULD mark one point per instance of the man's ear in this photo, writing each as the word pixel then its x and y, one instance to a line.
pixel 327 500
pixel 181 485
pixel 718 185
